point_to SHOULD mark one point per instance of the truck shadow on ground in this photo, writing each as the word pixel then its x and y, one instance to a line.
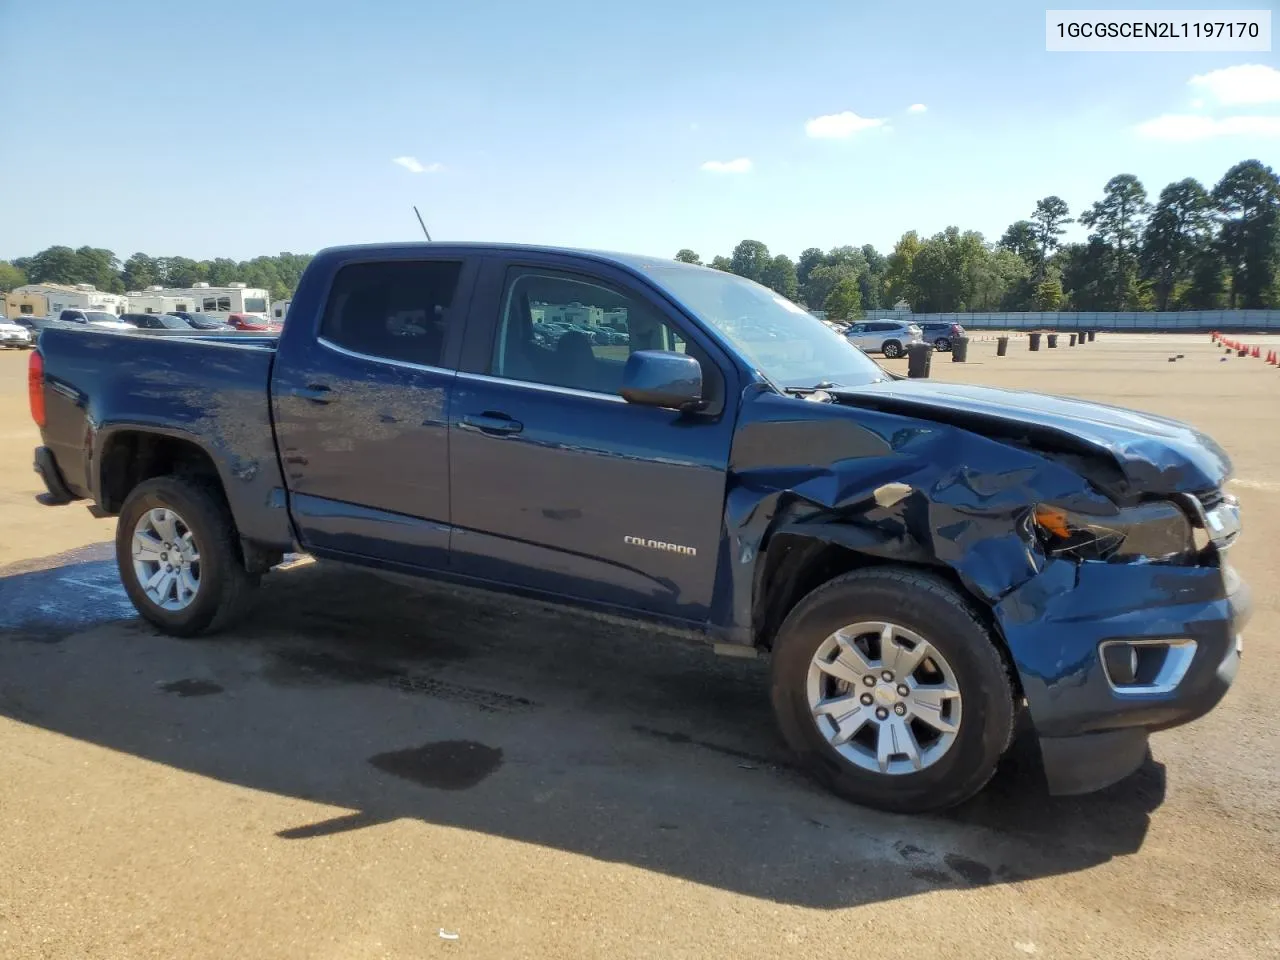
pixel 521 721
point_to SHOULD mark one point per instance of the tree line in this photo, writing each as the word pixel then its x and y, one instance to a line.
pixel 278 274
pixel 1193 249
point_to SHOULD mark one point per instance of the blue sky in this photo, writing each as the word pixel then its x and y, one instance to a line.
pixel 235 128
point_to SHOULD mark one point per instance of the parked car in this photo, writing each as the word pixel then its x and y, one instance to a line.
pixel 248 321
pixel 14 335
pixel 940 333
pixel 889 337
pixel 200 321
pixel 155 321
pixel 102 319
pixel 922 561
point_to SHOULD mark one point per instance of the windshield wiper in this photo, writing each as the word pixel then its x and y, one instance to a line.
pixel 816 388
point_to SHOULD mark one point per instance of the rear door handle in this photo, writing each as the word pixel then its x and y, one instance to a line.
pixel 497 424
pixel 315 392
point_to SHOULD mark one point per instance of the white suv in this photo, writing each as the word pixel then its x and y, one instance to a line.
pixel 14 335
pixel 889 337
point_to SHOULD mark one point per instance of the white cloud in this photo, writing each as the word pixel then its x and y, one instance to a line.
pixel 1245 83
pixel 1186 127
pixel 917 108
pixel 840 126
pixel 1197 103
pixel 414 165
pixel 741 165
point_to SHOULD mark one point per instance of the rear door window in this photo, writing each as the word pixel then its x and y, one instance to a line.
pixel 394 310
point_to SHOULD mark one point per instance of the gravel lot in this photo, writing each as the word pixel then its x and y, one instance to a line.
pixel 365 767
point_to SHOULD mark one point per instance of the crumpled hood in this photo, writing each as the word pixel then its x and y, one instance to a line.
pixel 1154 455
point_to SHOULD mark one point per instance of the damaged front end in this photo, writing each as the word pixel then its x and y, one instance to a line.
pixel 1093 540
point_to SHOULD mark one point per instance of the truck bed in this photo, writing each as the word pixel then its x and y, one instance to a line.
pixel 211 389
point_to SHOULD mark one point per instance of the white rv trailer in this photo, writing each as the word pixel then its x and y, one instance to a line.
pixel 216 302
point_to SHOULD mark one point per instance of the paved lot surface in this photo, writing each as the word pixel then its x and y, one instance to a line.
pixel 365 765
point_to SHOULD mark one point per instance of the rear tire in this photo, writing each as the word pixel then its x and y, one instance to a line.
pixel 942 344
pixel 930 774
pixel 199 514
pixel 892 349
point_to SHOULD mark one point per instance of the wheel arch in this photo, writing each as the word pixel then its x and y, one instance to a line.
pixel 129 455
pixel 799 561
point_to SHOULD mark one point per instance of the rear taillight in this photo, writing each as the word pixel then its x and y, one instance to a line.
pixel 35 387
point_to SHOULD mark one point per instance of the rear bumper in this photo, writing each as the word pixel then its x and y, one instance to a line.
pixel 47 467
pixel 1093 728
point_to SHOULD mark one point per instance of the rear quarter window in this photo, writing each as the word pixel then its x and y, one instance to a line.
pixel 396 310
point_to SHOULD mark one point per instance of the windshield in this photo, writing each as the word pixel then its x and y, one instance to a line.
pixel 98 316
pixel 787 344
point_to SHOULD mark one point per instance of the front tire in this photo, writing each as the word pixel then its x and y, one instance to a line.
pixel 942 344
pixel 892 349
pixel 176 547
pixel 891 692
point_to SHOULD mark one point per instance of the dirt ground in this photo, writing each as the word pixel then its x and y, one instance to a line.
pixel 366 770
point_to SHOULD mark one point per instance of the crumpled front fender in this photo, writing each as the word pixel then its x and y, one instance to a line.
pixel 888 486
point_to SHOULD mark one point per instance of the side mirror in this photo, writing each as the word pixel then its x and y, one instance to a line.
pixel 661 378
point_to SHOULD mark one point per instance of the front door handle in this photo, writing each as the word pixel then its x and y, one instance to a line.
pixel 493 423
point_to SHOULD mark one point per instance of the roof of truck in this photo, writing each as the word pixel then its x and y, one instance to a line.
pixel 634 261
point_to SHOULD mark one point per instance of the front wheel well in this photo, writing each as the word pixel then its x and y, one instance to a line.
pixel 796 566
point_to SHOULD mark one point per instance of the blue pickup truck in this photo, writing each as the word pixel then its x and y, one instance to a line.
pixel 921 561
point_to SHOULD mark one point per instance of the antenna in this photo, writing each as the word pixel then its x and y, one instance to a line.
pixel 421 224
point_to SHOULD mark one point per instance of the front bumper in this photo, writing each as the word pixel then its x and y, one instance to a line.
pixel 1092 730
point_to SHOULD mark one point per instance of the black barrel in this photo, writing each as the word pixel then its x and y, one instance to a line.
pixel 1092 334
pixel 919 359
pixel 1053 340
pixel 1035 341
pixel 1073 341
pixel 1002 346
pixel 959 349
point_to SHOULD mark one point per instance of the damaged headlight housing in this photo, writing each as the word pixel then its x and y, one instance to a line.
pixel 1158 531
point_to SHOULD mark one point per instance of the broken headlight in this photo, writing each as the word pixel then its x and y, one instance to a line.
pixel 1159 531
